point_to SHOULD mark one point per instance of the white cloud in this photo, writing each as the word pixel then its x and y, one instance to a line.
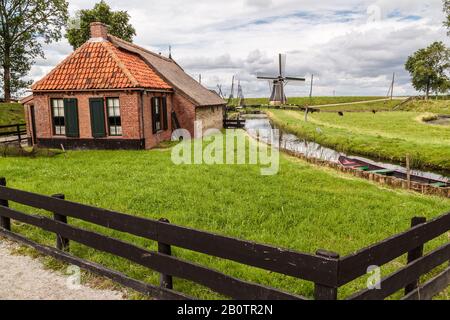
pixel 350 49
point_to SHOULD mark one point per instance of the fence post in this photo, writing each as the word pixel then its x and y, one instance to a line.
pixel 415 254
pixel 165 280
pixel 322 292
pixel 61 242
pixel 5 222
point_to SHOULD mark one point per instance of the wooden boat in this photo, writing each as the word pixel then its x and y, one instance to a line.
pixel 365 166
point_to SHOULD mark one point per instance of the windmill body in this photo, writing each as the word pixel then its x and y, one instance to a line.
pixel 278 96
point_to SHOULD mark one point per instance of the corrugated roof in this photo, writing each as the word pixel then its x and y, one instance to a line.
pixel 173 74
pixel 101 65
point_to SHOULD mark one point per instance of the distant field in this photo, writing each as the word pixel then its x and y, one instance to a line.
pixel 387 105
pixel 384 135
pixel 11 113
pixel 307 101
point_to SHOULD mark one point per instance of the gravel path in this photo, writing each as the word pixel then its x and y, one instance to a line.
pixel 25 278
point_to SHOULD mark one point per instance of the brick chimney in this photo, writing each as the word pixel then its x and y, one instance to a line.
pixel 99 30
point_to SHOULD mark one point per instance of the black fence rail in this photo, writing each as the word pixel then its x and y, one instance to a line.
pixel 326 269
pixel 13 133
pixel 233 124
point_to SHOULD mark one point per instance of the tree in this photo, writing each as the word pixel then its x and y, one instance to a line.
pixel 25 25
pixel 118 22
pixel 429 68
pixel 447 14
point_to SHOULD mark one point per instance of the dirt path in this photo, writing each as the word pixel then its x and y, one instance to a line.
pixel 353 103
pixel 25 278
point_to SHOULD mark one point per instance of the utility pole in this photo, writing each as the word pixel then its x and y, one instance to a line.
pixel 311 90
pixel 391 88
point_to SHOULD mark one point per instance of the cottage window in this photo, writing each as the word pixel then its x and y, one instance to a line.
pixel 159 114
pixel 114 120
pixel 59 125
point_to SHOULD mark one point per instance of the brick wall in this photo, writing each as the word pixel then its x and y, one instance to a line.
pixel 134 126
pixel 211 117
pixel 129 103
pixel 185 111
pixel 152 140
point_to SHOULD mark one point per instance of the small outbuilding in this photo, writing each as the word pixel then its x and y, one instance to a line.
pixel 112 94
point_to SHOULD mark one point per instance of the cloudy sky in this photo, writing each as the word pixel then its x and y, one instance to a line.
pixel 351 46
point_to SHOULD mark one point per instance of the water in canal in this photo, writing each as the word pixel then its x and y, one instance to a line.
pixel 261 124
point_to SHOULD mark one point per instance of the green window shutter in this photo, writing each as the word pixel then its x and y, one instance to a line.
pixel 164 113
pixel 97 109
pixel 71 118
pixel 153 116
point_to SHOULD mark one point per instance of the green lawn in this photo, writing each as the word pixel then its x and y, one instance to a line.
pixel 307 101
pixel 11 113
pixel 384 135
pixel 303 207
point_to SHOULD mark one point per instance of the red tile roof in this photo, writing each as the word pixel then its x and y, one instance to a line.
pixel 101 65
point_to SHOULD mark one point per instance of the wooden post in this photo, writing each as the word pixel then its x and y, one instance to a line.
pixel 61 242
pixel 322 292
pixel 306 113
pixel 165 280
pixel 408 170
pixel 415 254
pixel 5 222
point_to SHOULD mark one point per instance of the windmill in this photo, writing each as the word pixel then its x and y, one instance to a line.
pixel 230 99
pixel 219 91
pixel 278 97
pixel 240 95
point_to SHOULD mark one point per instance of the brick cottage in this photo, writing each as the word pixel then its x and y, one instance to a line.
pixel 111 94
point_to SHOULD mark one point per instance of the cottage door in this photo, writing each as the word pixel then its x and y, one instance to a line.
pixel 97 109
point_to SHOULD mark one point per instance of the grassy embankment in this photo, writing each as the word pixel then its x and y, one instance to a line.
pixel 384 135
pixel 11 113
pixel 303 207
pixel 307 101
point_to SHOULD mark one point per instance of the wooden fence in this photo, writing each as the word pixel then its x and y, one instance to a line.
pixel 233 124
pixel 13 133
pixel 326 269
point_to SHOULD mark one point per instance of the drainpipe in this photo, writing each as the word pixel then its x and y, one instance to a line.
pixel 142 117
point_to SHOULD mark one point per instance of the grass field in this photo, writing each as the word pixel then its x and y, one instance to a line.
pixel 303 207
pixel 384 135
pixel 307 101
pixel 433 106
pixel 11 113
